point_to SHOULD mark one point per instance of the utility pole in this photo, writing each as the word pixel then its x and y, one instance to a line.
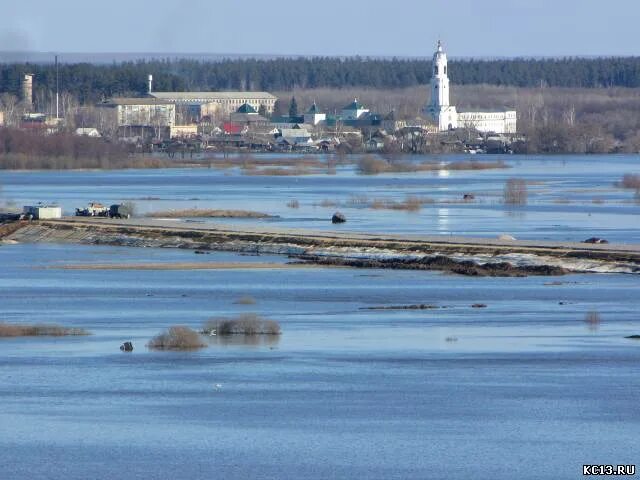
pixel 57 90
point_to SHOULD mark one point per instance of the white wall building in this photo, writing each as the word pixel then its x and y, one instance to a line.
pixel 227 102
pixel 141 111
pixel 314 116
pixel 42 212
pixel 354 111
pixel 445 115
pixel 497 122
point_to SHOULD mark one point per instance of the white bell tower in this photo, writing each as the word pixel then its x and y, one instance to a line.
pixel 438 108
pixel 440 79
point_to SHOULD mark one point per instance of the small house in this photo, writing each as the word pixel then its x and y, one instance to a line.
pixel 295 136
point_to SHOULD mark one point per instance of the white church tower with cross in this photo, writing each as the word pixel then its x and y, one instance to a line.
pixel 439 109
pixel 445 115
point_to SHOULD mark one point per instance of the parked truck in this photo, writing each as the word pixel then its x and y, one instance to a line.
pixel 120 211
pixel 93 210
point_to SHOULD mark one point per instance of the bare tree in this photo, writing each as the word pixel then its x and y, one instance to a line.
pixel 11 107
pixel 515 192
pixel 69 105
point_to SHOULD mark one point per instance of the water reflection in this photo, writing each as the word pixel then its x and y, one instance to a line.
pixel 515 214
pixel 592 320
pixel 245 340
pixel 443 218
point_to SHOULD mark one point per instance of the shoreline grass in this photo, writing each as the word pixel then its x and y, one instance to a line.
pixel 370 165
pixel 208 213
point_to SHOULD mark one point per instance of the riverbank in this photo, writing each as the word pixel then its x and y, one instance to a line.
pixel 462 255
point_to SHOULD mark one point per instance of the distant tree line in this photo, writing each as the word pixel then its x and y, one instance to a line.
pixel 93 82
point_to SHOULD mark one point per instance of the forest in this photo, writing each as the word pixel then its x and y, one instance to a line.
pixel 95 82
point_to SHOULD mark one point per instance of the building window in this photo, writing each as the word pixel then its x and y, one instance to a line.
pixel 445 69
pixel 435 70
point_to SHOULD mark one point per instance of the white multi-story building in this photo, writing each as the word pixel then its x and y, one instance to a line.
pixel 496 122
pixel 447 117
pixel 141 112
pixel 214 102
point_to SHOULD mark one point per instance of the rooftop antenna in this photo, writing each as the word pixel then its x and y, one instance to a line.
pixel 57 90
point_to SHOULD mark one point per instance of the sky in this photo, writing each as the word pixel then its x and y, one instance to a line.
pixel 407 28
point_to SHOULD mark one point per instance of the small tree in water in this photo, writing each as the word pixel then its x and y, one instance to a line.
pixel 515 192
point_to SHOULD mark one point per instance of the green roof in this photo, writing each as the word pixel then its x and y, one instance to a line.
pixel 355 105
pixel 246 108
pixel 314 109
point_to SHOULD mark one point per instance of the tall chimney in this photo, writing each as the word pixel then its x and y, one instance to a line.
pixel 27 90
pixel 150 84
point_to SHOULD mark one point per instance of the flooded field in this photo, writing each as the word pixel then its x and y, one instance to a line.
pixel 493 378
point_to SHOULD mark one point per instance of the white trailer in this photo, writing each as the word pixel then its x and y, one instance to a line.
pixel 42 212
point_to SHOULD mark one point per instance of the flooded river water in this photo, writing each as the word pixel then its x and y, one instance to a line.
pixel 522 388
pixel 570 197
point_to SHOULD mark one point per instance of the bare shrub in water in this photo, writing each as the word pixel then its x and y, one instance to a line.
pixel 630 180
pixel 246 324
pixel 177 338
pixel 370 165
pixel 38 330
pixel 593 319
pixel 326 203
pixel 411 203
pixel 246 300
pixel 515 192
pixel 356 201
pixel 293 204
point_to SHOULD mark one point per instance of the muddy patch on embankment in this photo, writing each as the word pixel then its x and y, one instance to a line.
pixel 441 263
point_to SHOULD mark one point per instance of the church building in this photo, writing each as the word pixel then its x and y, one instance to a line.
pixel 446 117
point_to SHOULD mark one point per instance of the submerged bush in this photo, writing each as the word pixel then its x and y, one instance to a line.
pixel 630 180
pixel 246 324
pixel 593 319
pixel 38 330
pixel 246 300
pixel 515 192
pixel 370 165
pixel 177 338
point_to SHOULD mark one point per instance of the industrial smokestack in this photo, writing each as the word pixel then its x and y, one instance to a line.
pixel 149 90
pixel 27 90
